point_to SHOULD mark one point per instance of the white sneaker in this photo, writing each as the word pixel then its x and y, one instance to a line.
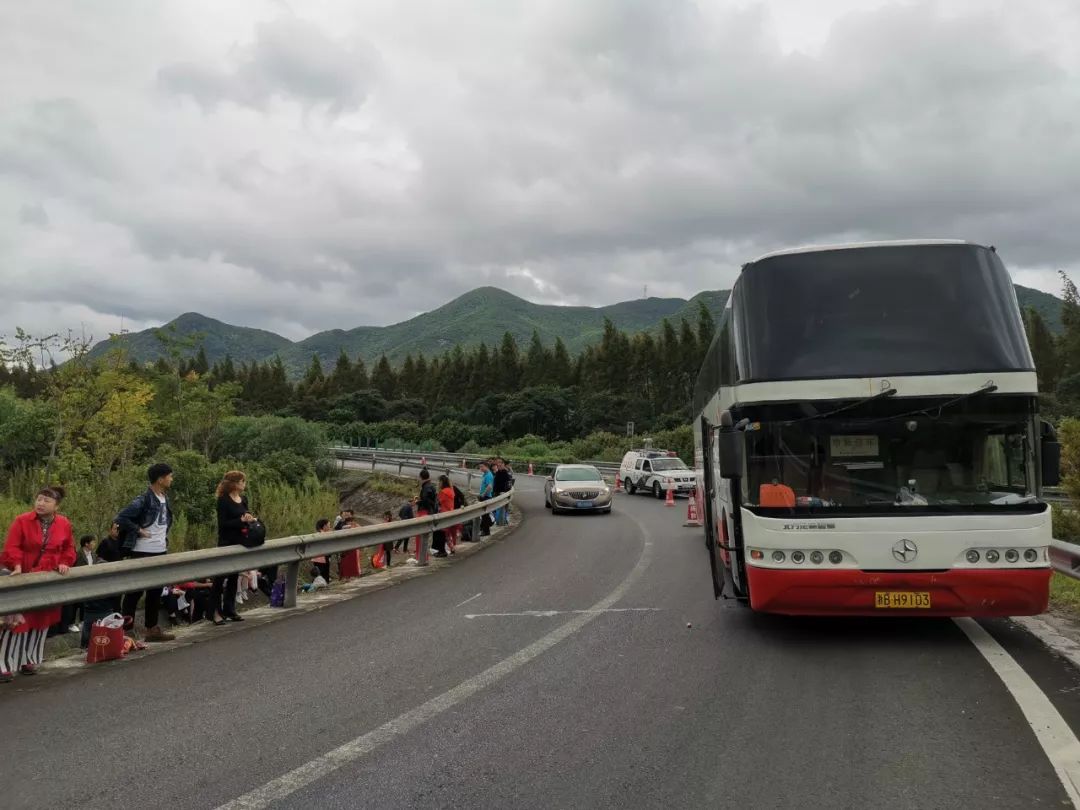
pixel 75 629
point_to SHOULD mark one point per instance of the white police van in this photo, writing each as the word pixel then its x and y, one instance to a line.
pixel 656 471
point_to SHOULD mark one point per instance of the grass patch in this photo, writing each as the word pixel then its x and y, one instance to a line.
pixel 1065 594
pixel 381 482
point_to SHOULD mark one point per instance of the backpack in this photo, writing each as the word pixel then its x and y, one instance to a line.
pixel 253 534
pixel 459 497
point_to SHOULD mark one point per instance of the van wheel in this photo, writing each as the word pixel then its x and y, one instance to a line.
pixel 656 491
pixel 631 487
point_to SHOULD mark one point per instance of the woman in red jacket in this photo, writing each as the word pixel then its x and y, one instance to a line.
pixel 37 541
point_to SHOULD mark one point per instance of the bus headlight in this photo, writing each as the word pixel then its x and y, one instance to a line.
pixel 1031 555
pixel 816 557
pixel 797 556
pixel 972 556
pixel 778 556
pixel 835 557
pixel 992 556
pixel 1011 555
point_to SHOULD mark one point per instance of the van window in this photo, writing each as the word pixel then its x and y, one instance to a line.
pixel 646 466
pixel 637 465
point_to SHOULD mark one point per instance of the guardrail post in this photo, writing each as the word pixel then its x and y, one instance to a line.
pixel 400 465
pixel 373 462
pixel 476 527
pixel 425 549
pixel 292 582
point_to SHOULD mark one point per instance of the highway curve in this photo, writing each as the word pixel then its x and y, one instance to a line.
pixel 556 669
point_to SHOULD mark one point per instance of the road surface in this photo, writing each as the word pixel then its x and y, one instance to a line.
pixel 555 669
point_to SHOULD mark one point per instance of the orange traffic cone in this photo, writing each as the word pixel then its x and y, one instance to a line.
pixel 618 482
pixel 692 518
pixel 670 500
pixel 530 468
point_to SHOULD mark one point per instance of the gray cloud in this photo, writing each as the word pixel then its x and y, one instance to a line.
pixel 370 162
pixel 290 58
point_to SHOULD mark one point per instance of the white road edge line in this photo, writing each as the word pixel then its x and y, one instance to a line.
pixel 547 613
pixel 298 778
pixel 1058 741
pixel 1048 635
pixel 477 596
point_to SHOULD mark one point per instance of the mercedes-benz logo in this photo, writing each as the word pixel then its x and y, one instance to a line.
pixel 905 551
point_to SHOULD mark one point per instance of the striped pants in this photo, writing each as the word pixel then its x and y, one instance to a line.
pixel 17 649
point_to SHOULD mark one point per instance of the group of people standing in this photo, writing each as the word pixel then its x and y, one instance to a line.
pixel 42 540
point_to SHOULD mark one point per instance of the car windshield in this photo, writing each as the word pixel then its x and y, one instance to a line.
pixel 662 464
pixel 577 474
pixel 977 456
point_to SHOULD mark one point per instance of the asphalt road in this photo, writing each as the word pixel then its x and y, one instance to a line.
pixel 427 699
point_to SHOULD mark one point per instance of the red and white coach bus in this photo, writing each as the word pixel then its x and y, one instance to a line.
pixel 867 437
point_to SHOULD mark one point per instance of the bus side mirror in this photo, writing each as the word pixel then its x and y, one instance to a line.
pixel 1051 463
pixel 732 451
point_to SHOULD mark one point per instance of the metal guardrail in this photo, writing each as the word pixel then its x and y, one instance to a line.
pixel 1065 558
pixel 34 591
pixel 450 461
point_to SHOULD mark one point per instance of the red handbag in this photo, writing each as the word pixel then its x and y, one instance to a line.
pixel 106 641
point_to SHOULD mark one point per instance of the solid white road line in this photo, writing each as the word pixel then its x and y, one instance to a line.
pixel 321 766
pixel 459 604
pixel 546 613
pixel 1054 735
pixel 1048 635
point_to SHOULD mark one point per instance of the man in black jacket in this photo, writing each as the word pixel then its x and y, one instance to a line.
pixel 428 504
pixel 502 484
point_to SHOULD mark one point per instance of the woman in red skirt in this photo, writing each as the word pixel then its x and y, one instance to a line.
pixel 40 540
pixel 349 563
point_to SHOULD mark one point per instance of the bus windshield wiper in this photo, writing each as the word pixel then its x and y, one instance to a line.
pixel 888 392
pixel 989 388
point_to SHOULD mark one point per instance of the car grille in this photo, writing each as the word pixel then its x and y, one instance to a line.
pixel 584 494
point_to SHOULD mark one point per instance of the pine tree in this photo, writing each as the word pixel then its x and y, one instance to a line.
pixel 360 379
pixel 706 328
pixel 200 365
pixel 314 381
pixel 408 385
pixel 509 365
pixel 383 379
pixel 340 378
pixel 1044 350
pixel 562 367
pixel 537 362
pixel 1069 343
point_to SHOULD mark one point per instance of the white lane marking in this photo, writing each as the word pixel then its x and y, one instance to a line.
pixel 459 604
pixel 1058 741
pixel 304 775
pixel 1048 635
pixel 546 613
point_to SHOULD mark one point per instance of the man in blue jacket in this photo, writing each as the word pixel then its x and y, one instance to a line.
pixel 144 532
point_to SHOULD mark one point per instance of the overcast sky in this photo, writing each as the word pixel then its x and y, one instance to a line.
pixel 304 166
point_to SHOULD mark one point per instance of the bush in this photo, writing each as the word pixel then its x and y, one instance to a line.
pixel 289 467
pixel 253 438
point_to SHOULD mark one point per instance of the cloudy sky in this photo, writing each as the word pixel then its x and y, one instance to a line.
pixel 303 166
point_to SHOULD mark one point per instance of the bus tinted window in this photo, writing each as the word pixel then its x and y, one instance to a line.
pixel 869 312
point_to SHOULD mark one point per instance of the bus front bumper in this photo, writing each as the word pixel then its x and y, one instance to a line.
pixel 1007 592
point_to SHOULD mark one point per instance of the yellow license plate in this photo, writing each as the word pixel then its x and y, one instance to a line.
pixel 901 599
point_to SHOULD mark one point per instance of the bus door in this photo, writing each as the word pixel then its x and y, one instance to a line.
pixel 712 520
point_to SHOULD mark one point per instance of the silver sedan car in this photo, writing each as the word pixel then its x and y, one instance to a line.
pixel 577 488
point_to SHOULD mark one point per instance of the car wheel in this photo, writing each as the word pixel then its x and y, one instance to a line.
pixel 547 503
pixel 656 491
pixel 631 487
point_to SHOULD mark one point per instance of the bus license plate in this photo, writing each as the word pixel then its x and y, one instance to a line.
pixel 584 504
pixel 901 599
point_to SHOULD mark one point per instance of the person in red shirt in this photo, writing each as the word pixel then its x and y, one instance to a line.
pixel 39 540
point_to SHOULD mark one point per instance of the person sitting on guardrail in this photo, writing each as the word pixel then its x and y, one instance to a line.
pixel 446 504
pixel 38 540
pixel 323 525
pixel 349 561
pixel 406 512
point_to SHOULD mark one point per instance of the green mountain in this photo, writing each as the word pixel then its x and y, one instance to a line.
pixel 1048 306
pixel 219 339
pixel 483 314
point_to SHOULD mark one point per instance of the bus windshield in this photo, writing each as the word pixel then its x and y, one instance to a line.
pixel 870 463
